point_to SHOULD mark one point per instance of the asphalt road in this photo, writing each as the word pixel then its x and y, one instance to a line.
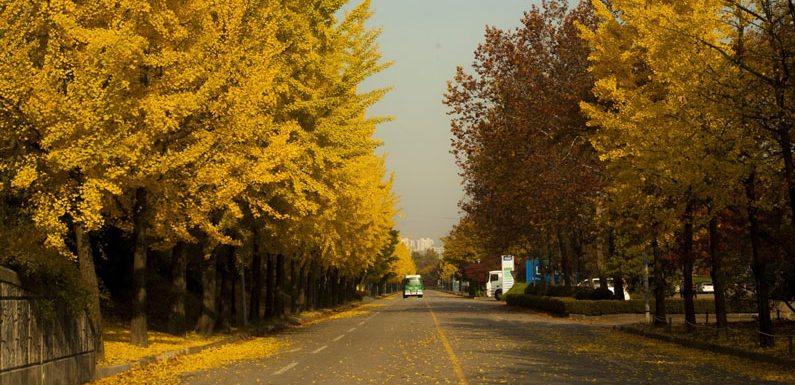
pixel 445 339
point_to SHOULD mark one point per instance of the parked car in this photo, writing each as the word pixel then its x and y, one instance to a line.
pixel 610 286
pixel 742 289
pixel 706 287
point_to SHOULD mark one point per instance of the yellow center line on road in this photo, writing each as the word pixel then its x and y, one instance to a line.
pixel 459 372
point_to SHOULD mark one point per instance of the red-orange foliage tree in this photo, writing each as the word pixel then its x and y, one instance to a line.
pixel 530 175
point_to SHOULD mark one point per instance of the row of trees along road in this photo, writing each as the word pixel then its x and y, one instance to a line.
pixel 197 135
pixel 591 136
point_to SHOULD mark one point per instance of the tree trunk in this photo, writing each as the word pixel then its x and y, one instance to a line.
pixel 344 287
pixel 329 287
pixel 342 291
pixel 337 290
pixel 227 294
pixel 138 324
pixel 618 285
pixel 270 285
pixel 88 273
pixel 343 294
pixel 331 284
pixel 687 268
pixel 295 284
pixel 576 248
pixel 618 278
pixel 716 272
pixel 565 259
pixel 316 284
pixel 659 286
pixel 310 285
pixel 256 276
pixel 544 266
pixel 759 267
pixel 345 283
pixel 256 284
pixel 322 289
pixel 600 262
pixel 179 267
pixel 789 169
pixel 241 306
pixel 280 285
pixel 209 313
pixel 301 284
pixel 304 295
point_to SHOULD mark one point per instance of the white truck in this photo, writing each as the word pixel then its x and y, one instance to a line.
pixel 500 281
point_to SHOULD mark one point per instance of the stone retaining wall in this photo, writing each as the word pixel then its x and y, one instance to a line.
pixel 39 351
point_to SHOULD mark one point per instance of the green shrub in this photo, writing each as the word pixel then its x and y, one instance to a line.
pixel 550 290
pixel 53 278
pixel 547 304
pixel 587 293
pixel 600 307
pixel 533 289
pixel 560 291
pixel 602 294
pixel 584 293
pixel 517 288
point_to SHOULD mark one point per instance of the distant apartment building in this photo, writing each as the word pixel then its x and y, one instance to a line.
pixel 418 245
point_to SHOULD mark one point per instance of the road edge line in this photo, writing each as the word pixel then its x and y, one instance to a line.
pixel 285 369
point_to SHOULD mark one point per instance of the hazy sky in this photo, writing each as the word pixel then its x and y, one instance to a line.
pixel 427 39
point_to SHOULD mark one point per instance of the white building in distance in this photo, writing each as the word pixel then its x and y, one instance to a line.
pixel 418 245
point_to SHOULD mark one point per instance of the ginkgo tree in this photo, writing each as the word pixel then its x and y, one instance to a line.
pixel 674 125
pixel 233 129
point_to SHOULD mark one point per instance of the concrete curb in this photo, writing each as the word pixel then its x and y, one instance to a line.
pixel 755 356
pixel 109 371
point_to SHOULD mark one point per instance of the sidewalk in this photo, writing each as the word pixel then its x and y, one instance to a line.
pixel 728 346
pixel 629 319
pixel 704 339
pixel 114 368
pixel 636 324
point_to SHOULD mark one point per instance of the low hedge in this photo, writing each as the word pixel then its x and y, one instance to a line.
pixel 568 305
pixel 554 305
pixel 598 294
pixel 550 291
pixel 569 291
pixel 517 288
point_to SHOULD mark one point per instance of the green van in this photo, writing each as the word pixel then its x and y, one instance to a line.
pixel 412 285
